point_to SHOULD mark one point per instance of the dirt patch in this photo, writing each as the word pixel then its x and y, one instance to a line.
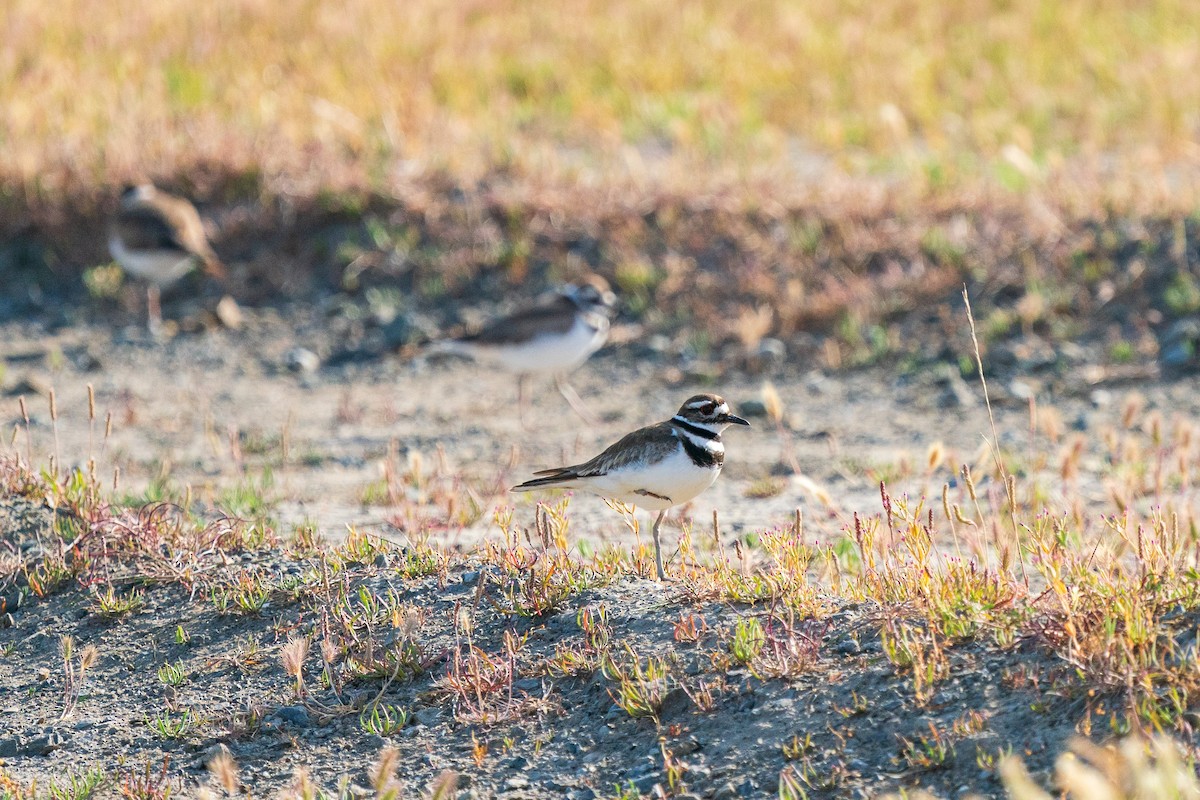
pixel 382 443
pixel 382 446
pixel 519 704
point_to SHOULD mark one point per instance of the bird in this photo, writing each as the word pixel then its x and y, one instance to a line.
pixel 655 467
pixel 159 238
pixel 552 338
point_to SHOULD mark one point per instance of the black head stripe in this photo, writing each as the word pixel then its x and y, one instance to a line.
pixel 703 433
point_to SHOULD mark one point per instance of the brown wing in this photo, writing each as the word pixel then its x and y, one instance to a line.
pixel 145 228
pixel 647 445
pixel 556 316
pixel 166 223
pixel 190 232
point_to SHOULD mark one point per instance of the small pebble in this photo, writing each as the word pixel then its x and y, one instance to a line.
pixel 294 715
pixel 752 408
pixel 1178 354
pixel 528 685
pixel 645 784
pixel 771 352
pixel 301 360
pixel 229 313
pixel 43 745
pixel 1021 390
pixel 726 792
pixel 217 750
pixel 428 716
pixel 849 647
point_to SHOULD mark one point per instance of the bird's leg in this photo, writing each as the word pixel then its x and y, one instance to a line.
pixel 574 401
pixel 153 309
pixel 658 562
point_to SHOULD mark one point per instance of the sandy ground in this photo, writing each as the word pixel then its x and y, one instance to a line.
pixel 211 410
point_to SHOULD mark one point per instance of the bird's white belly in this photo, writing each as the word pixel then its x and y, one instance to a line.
pixel 551 353
pixel 676 478
pixel 160 267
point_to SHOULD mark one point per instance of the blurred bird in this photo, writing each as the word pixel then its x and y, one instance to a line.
pixel 655 467
pixel 159 238
pixel 551 338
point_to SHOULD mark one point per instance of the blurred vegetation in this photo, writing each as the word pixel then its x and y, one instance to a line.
pixel 738 170
pixel 361 93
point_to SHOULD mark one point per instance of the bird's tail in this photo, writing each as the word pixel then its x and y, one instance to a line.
pixel 561 478
pixel 213 267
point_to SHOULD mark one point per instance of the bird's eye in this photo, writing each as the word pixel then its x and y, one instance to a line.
pixel 707 409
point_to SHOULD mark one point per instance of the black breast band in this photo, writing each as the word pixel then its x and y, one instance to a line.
pixel 702 456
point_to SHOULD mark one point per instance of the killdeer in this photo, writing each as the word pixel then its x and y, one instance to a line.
pixel 655 467
pixel 159 238
pixel 552 338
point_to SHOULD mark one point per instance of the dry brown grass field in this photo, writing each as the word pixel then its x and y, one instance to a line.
pixel 270 551
pixel 1016 93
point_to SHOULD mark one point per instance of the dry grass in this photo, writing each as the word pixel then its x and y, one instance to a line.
pixel 1135 770
pixel 369 92
pixel 1099 587
pixel 1073 561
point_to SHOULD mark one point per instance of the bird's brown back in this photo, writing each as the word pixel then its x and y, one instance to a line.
pixel 647 445
pixel 164 222
pixel 557 317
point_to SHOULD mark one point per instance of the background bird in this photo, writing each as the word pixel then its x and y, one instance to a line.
pixel 655 467
pixel 551 338
pixel 159 238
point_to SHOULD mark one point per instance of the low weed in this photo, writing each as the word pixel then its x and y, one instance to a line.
pixel 383 720
pixel 78 786
pixel 640 687
pixel 170 725
pixel 173 675
pixel 110 604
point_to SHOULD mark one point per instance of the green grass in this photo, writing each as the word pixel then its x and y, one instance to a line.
pixel 250 498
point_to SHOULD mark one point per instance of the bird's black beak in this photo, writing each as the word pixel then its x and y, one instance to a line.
pixel 731 419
